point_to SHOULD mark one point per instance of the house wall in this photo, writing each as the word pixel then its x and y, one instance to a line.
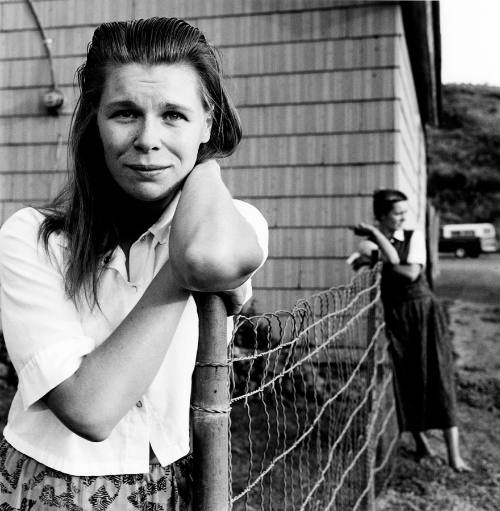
pixel 411 172
pixel 324 91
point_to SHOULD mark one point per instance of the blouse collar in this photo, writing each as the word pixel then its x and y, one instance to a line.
pixel 399 235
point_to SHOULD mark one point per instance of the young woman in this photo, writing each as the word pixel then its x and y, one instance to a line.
pixel 97 310
pixel 419 344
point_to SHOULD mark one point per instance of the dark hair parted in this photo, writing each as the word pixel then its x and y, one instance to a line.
pixel 383 201
pixel 83 209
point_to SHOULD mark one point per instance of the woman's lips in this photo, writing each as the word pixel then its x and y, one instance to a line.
pixel 146 168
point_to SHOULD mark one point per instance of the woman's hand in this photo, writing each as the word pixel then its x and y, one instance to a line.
pixel 364 229
pixel 389 253
pixel 360 261
pixel 234 299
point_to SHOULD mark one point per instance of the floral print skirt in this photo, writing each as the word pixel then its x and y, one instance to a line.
pixel 26 485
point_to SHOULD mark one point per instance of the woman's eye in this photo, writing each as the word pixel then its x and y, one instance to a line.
pixel 124 114
pixel 173 116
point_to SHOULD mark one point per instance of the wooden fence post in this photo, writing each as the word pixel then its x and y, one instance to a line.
pixel 369 500
pixel 210 408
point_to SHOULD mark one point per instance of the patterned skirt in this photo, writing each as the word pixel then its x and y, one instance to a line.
pixel 26 485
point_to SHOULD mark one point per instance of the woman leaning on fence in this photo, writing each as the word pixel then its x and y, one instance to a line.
pixel 97 310
pixel 420 347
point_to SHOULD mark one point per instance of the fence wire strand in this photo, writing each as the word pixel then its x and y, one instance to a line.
pixel 313 423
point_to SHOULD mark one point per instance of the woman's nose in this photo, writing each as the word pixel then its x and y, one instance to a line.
pixel 147 137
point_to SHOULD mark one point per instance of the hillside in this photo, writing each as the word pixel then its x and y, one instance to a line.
pixel 464 155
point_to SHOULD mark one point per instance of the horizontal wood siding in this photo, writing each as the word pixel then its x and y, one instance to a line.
pixel 316 84
pixel 411 175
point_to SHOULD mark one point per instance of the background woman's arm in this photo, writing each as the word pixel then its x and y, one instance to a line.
pixel 410 270
pixel 389 252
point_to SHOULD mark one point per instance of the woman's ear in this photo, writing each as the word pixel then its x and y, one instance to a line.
pixel 207 129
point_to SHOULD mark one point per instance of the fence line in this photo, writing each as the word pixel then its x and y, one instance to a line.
pixel 312 420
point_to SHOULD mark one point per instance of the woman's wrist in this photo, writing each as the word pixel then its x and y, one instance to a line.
pixel 207 168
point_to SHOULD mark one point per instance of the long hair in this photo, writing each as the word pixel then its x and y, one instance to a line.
pixel 82 211
pixel 383 201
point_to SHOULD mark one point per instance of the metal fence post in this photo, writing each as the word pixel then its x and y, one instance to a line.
pixel 210 408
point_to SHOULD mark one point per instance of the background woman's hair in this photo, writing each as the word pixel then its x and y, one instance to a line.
pixel 83 210
pixel 383 201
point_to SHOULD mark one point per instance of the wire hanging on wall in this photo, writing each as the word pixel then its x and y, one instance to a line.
pixel 53 99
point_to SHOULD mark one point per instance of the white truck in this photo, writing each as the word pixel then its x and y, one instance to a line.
pixel 468 239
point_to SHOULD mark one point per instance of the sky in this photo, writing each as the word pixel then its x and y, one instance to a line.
pixel 470 41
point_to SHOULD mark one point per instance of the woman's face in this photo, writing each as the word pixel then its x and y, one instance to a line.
pixel 396 217
pixel 151 121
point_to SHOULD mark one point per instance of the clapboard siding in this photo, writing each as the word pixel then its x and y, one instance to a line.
pixel 324 91
pixel 297 273
pixel 55 13
pixel 30 186
pixel 311 21
pixel 312 180
pixel 31 130
pixel 410 142
pixel 314 211
pixel 311 242
pixel 366 53
pixel 376 147
pixel 256 29
pixel 343 85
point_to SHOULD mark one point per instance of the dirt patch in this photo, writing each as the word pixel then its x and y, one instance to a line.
pixel 432 485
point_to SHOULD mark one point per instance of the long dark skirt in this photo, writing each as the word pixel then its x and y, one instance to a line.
pixel 28 485
pixel 422 357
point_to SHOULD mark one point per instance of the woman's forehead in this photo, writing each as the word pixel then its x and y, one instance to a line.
pixel 400 206
pixel 173 83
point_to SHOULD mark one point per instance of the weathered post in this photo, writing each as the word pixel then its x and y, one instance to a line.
pixel 210 408
pixel 368 503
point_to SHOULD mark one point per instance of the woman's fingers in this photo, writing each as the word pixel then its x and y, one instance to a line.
pixel 234 300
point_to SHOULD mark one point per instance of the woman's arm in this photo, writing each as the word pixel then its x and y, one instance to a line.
pixel 410 271
pixel 212 246
pixel 375 235
pixel 88 388
pixel 115 375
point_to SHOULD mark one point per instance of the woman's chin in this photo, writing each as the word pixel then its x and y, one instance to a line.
pixel 153 194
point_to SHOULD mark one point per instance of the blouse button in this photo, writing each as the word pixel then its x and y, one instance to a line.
pixel 138 404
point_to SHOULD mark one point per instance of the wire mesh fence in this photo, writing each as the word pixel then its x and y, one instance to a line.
pixel 313 422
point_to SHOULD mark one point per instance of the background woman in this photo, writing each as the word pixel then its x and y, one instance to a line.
pixel 96 301
pixel 419 344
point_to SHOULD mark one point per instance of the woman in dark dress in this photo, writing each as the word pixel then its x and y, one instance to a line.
pixel 419 344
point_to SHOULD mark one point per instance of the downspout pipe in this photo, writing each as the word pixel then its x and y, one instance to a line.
pixel 53 99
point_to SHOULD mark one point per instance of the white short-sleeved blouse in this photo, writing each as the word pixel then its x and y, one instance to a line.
pixel 47 337
pixel 417 253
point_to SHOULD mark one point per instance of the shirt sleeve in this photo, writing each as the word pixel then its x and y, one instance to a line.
pixel 255 218
pixel 416 252
pixel 42 328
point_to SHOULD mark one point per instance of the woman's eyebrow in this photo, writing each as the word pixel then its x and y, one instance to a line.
pixel 128 103
pixel 121 103
pixel 169 105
